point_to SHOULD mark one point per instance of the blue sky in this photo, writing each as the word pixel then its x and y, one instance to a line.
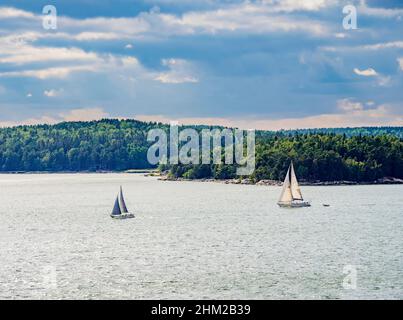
pixel 265 64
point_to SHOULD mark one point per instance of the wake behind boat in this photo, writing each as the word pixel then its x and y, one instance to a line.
pixel 119 209
pixel 291 196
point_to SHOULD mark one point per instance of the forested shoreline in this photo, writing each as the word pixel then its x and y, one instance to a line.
pixel 353 154
pixel 316 157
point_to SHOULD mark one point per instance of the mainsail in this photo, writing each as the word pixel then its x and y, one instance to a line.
pixel 122 203
pixel 116 209
pixel 291 190
pixel 295 189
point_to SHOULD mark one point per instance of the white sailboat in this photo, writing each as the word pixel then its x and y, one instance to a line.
pixel 119 210
pixel 291 196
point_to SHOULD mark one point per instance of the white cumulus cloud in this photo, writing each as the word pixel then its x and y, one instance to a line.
pixel 9 12
pixel 366 73
pixel 299 5
pixel 348 105
pixel 180 71
pixel 52 93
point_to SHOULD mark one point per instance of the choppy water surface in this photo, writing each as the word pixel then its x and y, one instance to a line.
pixel 195 240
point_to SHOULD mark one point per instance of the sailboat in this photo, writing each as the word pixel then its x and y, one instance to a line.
pixel 119 209
pixel 291 196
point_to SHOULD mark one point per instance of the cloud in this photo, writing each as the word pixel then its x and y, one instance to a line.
pixel 84 114
pixel 93 36
pixel 20 53
pixel 383 81
pixel 23 54
pixel 179 72
pixel 366 47
pixel 384 45
pixel 366 73
pixel 246 17
pixel 52 93
pixel 340 35
pixel 353 114
pixel 243 55
pixel 348 105
pixel 364 9
pixel 298 5
pixel 9 13
pixel 29 122
pixel 34 62
pixel 356 117
pixel 43 62
pixel 59 72
pixel 274 5
pixel 252 18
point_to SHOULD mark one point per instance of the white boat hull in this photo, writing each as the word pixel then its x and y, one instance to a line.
pixel 123 216
pixel 300 204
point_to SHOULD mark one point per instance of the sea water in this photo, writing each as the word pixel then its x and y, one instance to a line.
pixel 196 240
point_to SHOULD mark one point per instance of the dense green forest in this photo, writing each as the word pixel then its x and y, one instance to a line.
pixel 323 157
pixel 76 146
pixel 356 154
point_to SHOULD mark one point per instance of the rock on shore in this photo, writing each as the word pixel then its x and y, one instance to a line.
pixel 385 180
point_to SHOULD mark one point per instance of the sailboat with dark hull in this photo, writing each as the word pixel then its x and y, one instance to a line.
pixel 119 210
pixel 291 196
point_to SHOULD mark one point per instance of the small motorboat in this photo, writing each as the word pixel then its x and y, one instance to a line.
pixel 326 205
pixel 119 209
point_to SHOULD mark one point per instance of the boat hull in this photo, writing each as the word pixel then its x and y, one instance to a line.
pixel 123 216
pixel 302 204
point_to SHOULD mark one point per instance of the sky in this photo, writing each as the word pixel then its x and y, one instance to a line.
pixel 263 64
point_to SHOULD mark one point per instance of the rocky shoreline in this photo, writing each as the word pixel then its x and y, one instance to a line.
pixel 146 172
pixel 386 180
pixel 164 177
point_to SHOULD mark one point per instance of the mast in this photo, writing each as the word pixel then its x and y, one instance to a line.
pixel 116 209
pixel 122 203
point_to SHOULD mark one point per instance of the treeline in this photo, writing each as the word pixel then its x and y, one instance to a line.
pixel 331 157
pixel 317 156
pixel 351 154
pixel 350 132
pixel 76 146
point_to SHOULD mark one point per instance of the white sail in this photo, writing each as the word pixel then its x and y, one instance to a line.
pixel 122 203
pixel 286 195
pixel 295 189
